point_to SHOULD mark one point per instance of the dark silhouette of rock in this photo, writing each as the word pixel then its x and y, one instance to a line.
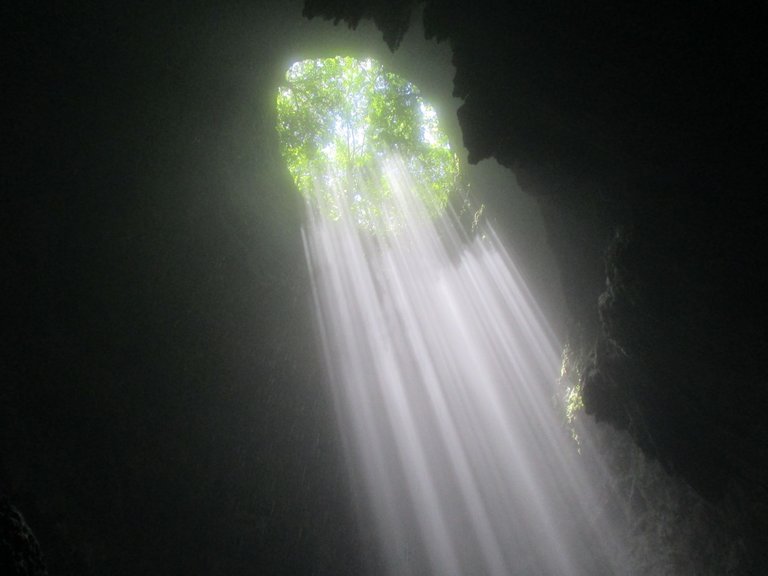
pixel 19 550
pixel 640 129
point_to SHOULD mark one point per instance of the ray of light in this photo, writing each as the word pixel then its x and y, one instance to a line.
pixel 443 371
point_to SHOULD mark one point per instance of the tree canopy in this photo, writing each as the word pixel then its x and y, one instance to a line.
pixel 338 120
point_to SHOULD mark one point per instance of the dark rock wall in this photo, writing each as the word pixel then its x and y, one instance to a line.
pixel 640 128
pixel 19 551
pixel 163 408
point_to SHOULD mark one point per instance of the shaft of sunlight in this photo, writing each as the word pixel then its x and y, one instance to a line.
pixel 443 371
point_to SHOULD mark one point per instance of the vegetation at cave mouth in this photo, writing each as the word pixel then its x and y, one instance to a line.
pixel 340 118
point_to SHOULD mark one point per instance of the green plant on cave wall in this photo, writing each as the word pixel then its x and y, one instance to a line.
pixel 570 384
pixel 340 118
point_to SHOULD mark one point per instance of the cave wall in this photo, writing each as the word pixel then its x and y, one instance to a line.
pixel 640 129
pixel 163 405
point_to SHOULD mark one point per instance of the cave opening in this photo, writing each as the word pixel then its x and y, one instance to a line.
pixel 339 119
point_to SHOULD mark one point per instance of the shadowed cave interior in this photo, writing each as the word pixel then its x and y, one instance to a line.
pixel 164 406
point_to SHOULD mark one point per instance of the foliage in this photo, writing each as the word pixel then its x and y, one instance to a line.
pixel 570 383
pixel 338 119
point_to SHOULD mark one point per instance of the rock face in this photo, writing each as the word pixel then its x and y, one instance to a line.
pixel 19 551
pixel 640 129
